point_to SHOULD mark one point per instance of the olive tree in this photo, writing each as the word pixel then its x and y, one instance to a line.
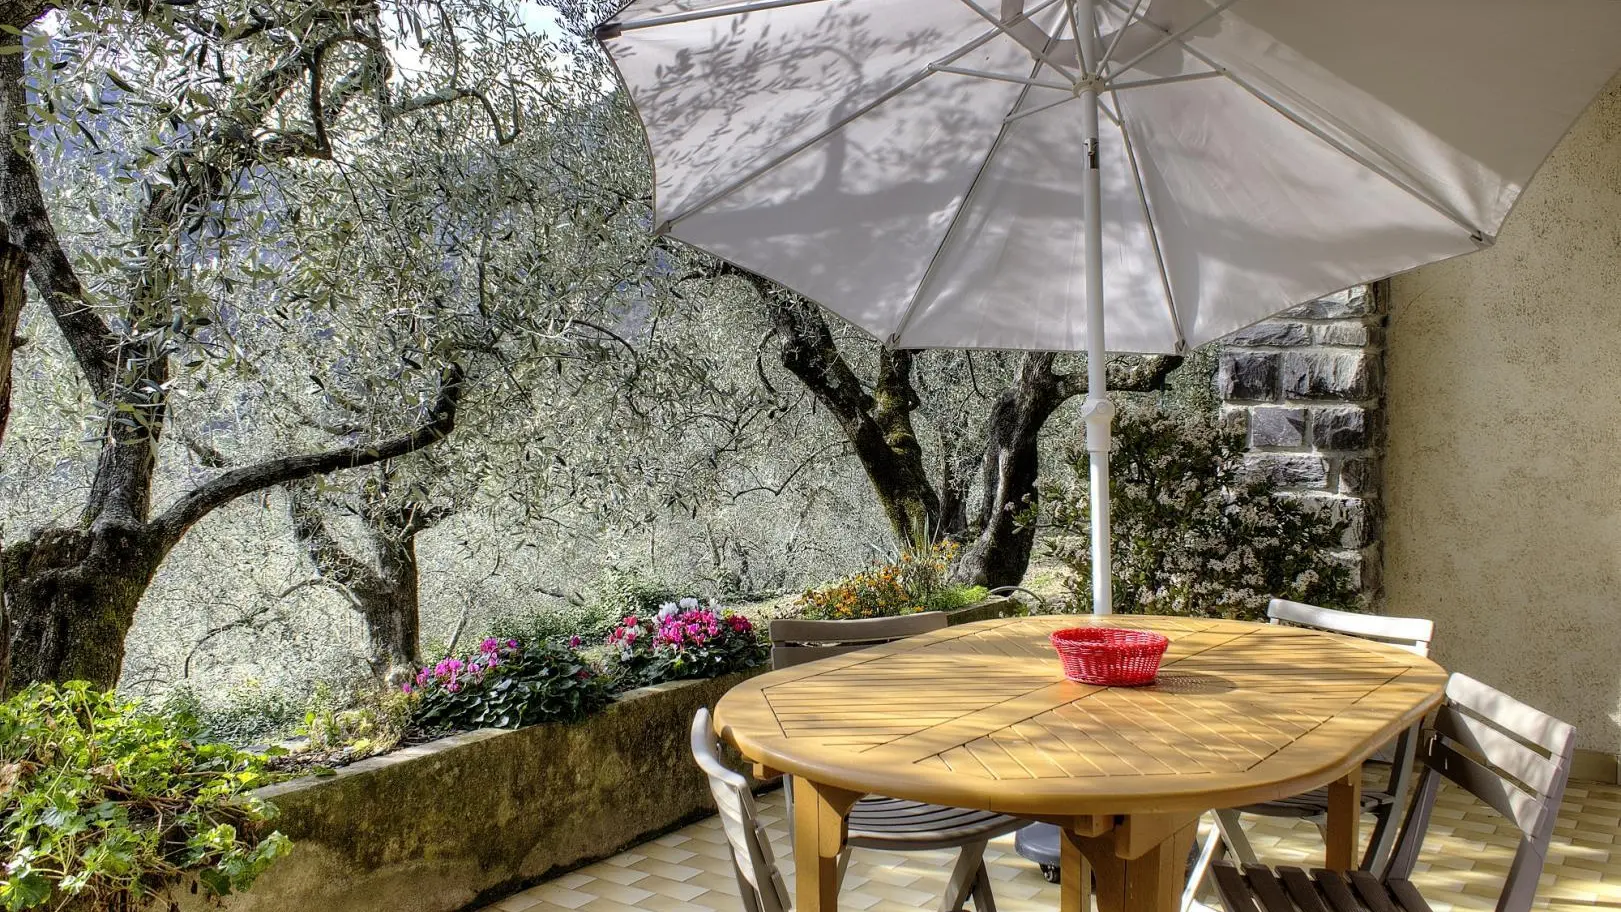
pixel 209 120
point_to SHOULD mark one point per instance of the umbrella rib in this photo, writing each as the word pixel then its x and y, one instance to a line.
pixel 1162 80
pixel 611 29
pixel 1003 77
pixel 968 197
pixel 906 84
pixel 1131 17
pixel 1013 118
pixel 1007 29
pixel 1406 183
pixel 1153 230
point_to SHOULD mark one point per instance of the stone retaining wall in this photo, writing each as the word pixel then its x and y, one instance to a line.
pixel 478 816
pixel 1308 385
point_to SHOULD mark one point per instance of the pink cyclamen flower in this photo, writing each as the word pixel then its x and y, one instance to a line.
pixel 575 641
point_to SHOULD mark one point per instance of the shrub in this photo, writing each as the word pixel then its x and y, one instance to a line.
pixel 684 640
pixel 1194 533
pixel 508 684
pixel 917 581
pixel 368 723
pixel 104 804
pixel 245 713
pixel 561 622
pixel 621 593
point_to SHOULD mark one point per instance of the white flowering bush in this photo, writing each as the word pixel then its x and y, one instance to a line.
pixel 1193 533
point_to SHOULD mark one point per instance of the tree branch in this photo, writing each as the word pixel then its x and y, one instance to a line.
pixel 238 482
pixel 1134 374
pixel 333 563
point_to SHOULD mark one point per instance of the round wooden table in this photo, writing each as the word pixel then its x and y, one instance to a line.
pixel 981 716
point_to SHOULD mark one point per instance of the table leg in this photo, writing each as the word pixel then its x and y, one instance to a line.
pixel 1344 816
pixel 819 834
pixel 1152 881
pixel 1074 875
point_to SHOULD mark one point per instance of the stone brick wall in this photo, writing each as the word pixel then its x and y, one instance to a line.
pixel 1308 386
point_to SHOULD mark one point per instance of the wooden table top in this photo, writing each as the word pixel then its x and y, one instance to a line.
pixel 980 715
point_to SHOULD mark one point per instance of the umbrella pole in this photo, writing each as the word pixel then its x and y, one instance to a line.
pixel 1098 411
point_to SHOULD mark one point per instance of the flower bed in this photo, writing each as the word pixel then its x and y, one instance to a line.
pixel 477 816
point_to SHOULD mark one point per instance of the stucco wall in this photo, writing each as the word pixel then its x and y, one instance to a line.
pixel 1503 473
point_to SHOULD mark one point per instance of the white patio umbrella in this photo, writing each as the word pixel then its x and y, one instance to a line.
pixel 1097 175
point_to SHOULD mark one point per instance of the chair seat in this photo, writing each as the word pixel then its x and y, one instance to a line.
pixel 1258 888
pixel 877 823
pixel 1314 804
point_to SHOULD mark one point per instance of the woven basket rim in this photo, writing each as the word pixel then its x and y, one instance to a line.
pixel 1137 640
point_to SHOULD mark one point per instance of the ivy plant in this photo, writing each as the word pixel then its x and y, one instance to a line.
pixel 104 805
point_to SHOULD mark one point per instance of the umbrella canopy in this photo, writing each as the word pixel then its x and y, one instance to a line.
pixel 925 168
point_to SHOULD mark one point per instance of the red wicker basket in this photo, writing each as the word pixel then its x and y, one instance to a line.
pixel 1109 655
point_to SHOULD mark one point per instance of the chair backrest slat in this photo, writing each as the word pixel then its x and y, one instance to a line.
pixel 789 656
pixel 1499 750
pixel 1523 721
pixel 1512 757
pixel 756 868
pixel 1484 783
pixel 797 642
pixel 1409 633
pixel 865 630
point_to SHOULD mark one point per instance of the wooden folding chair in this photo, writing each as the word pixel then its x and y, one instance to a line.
pixel 892 824
pixel 1510 756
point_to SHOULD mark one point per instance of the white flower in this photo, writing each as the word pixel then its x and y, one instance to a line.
pixel 689 604
pixel 667 610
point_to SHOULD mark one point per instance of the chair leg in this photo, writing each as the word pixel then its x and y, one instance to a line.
pixel 965 877
pixel 1383 840
pixel 983 900
pixel 1214 847
pixel 1232 834
pixel 844 864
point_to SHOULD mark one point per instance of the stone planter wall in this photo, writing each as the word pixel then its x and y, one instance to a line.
pixel 1308 386
pixel 478 816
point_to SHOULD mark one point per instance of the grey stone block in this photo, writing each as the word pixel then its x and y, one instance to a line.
pixel 1249 376
pixel 1348 333
pixel 1278 334
pixel 1288 470
pixel 1277 427
pixel 1359 477
pixel 1345 428
pixel 1346 376
pixel 1353 302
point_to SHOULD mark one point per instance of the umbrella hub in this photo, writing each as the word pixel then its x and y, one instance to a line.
pixel 1098 414
pixel 1088 82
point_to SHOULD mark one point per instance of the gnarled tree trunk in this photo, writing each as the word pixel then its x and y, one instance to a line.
pixel 1005 525
pixel 74 591
pixel 384 593
pixel 1001 534
pixel 13 276
pixel 72 595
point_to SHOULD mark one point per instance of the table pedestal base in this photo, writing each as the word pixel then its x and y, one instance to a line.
pixel 1140 862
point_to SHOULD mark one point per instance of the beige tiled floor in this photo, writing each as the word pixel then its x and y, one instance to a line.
pixel 1466 858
